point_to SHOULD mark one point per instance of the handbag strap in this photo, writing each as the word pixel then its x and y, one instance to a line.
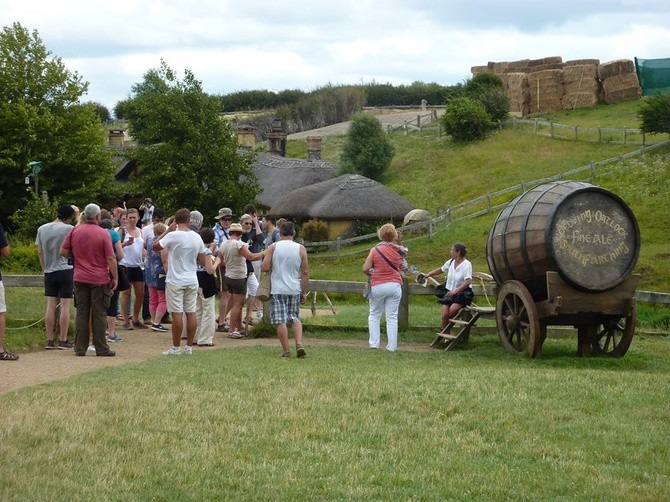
pixel 386 259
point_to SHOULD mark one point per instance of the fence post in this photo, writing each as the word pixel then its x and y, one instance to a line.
pixel 551 126
pixel 600 135
pixel 430 229
pixel 576 127
pixel 644 139
pixel 337 247
pixel 593 169
pixel 403 309
pixel 535 126
pixel 624 136
pixel 418 121
pixel 488 203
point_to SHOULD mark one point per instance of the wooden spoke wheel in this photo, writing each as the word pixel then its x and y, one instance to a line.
pixel 517 320
pixel 613 337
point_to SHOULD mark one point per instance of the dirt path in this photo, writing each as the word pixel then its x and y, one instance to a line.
pixel 43 366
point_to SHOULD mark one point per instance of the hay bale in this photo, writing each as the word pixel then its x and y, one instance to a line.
pixel 621 88
pixel 516 87
pixel 477 70
pixel 616 67
pixel 546 90
pixel 580 78
pixel 500 67
pixel 575 100
pixel 548 60
pixel 416 216
pixel 543 67
pixel 579 62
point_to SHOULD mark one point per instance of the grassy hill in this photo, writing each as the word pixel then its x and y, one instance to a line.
pixel 434 173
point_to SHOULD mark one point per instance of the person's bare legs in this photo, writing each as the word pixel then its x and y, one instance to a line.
pixel 297 333
pixel 191 326
pixel 50 316
pixel 224 298
pixel 282 334
pixel 125 304
pixel 177 327
pixel 64 320
pixel 138 288
pixel 237 302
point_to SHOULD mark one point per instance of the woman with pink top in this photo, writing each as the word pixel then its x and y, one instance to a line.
pixel 383 265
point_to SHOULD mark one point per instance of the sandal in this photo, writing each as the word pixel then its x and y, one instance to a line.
pixel 222 327
pixel 6 356
pixel 285 354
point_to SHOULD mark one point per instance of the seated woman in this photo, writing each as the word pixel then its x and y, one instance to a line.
pixel 459 276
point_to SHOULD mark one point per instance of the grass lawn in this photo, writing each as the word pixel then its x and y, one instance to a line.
pixel 347 424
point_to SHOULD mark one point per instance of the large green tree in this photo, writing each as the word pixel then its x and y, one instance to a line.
pixel 42 120
pixel 187 154
pixel 367 150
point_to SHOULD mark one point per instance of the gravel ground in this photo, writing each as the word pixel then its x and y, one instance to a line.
pixel 394 119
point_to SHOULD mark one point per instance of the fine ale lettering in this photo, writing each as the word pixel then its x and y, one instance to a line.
pixel 576 235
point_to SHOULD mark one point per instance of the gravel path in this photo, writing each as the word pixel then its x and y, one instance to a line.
pixel 44 366
pixel 394 119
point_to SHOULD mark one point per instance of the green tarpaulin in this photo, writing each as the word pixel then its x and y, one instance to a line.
pixel 654 75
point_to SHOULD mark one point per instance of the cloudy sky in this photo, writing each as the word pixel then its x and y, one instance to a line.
pixel 253 44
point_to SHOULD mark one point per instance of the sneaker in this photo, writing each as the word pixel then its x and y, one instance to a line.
pixel 114 338
pixel 159 327
pixel 236 335
pixel 109 353
pixel 300 352
pixel 66 345
pixel 128 326
pixel 188 351
pixel 172 351
pixel 50 345
pixel 138 325
pixel 91 348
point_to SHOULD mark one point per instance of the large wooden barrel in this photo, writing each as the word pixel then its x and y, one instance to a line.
pixel 585 233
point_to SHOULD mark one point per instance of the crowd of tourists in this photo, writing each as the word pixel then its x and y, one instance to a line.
pixel 133 268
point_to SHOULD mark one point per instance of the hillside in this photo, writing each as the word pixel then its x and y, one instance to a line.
pixel 433 173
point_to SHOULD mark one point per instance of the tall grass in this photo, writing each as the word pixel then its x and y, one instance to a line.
pixel 347 424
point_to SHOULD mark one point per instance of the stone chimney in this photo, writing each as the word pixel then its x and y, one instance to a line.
pixel 246 136
pixel 115 137
pixel 314 147
pixel 277 138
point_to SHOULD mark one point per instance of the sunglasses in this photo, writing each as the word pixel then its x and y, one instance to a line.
pixel 246 223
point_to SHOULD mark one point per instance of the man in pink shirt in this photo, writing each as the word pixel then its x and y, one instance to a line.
pixel 95 279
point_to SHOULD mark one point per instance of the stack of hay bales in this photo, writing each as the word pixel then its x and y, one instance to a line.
pixel 580 84
pixel 619 81
pixel 546 91
pixel 516 87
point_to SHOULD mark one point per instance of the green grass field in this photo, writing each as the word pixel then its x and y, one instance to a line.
pixel 347 424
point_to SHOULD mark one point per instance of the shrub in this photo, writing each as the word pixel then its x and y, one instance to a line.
pixel 37 212
pixel 315 231
pixel 466 120
pixel 23 258
pixel 655 114
pixel 367 150
pixel 496 103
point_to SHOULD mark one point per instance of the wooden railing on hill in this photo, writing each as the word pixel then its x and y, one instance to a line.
pixel 494 201
pixel 485 293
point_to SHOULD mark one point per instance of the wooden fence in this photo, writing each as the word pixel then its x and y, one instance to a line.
pixel 484 292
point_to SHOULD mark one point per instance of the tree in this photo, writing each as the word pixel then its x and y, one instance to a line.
pixel 367 149
pixel 655 114
pixel 187 154
pixel 42 120
pixel 466 120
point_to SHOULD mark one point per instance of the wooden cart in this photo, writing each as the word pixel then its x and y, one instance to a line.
pixel 605 321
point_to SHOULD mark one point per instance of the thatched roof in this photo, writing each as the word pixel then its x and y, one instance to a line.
pixel 350 196
pixel 279 176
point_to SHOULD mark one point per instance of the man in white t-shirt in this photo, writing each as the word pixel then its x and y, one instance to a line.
pixel 185 251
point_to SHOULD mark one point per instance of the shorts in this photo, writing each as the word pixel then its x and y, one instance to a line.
pixel 3 305
pixel 235 286
pixel 463 298
pixel 181 298
pixel 284 309
pixel 59 284
pixel 252 285
pixel 134 274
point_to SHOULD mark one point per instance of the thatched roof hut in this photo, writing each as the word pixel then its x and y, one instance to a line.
pixel 279 176
pixel 341 201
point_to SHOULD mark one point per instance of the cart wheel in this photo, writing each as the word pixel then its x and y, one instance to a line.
pixel 517 319
pixel 613 337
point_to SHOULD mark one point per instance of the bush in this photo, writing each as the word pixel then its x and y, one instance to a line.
pixel 367 150
pixel 315 231
pixel 37 212
pixel 23 258
pixel 655 114
pixel 496 103
pixel 466 120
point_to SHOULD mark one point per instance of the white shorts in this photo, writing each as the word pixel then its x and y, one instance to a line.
pixel 181 298
pixel 252 285
pixel 3 305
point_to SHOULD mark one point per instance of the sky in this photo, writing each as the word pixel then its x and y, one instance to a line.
pixel 304 44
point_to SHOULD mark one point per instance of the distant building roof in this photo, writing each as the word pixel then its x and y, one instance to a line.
pixel 350 196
